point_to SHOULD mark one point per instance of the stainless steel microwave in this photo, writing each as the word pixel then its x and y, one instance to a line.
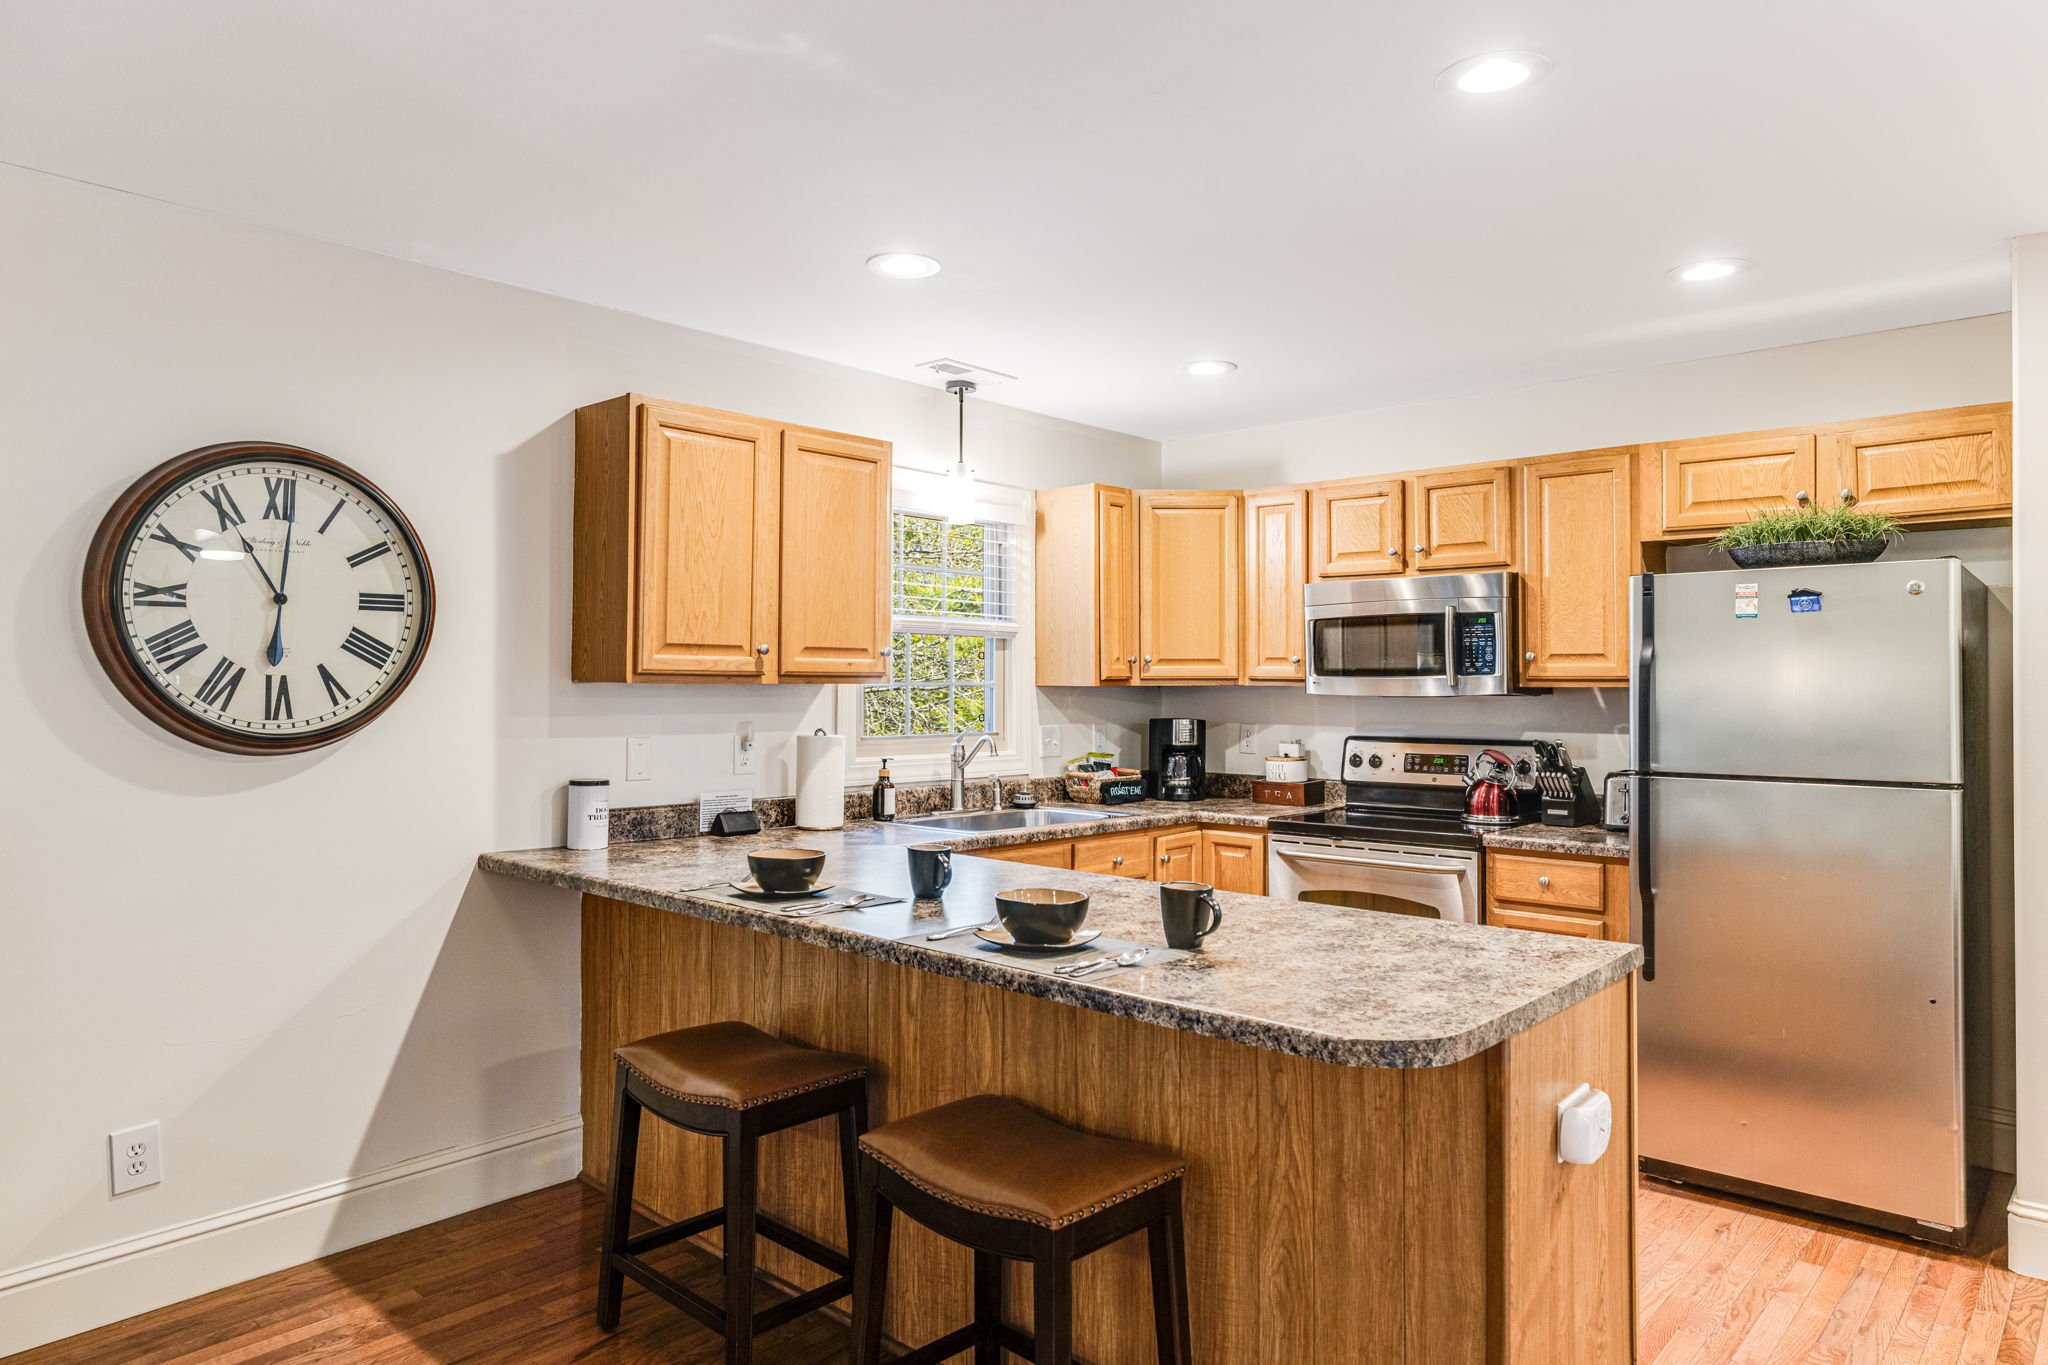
pixel 1437 635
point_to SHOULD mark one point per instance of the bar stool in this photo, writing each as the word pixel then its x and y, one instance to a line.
pixel 1012 1184
pixel 732 1081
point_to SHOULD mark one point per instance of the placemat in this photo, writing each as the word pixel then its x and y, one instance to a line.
pixel 967 945
pixel 887 918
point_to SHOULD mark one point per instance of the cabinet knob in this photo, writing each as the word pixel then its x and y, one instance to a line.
pixel 1800 496
pixel 1130 658
pixel 1419 550
pixel 1148 658
pixel 1117 861
pixel 1393 552
pixel 888 651
pixel 1543 881
pixel 1528 656
pixel 1294 658
pixel 1848 495
pixel 1166 857
pixel 762 650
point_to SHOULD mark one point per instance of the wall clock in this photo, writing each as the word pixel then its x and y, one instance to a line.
pixel 258 598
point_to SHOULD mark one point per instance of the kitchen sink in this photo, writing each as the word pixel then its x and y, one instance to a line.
pixel 977 820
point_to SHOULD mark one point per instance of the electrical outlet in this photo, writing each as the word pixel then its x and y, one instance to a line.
pixel 1248 739
pixel 746 755
pixel 137 1157
pixel 1098 738
pixel 1049 741
pixel 638 764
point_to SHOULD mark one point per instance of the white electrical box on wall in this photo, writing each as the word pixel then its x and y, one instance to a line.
pixel 1585 1125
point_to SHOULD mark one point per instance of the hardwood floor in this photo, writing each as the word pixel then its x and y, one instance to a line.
pixel 1723 1283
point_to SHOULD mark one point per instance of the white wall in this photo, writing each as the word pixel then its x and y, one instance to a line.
pixel 2028 1220
pixel 290 962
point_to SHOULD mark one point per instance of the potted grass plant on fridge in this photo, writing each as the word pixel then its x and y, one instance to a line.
pixel 1809 535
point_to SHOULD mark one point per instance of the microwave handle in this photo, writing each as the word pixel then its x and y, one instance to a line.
pixel 1451 646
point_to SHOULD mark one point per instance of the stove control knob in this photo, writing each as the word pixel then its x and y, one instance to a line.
pixel 1522 767
pixel 1355 761
pixel 1376 760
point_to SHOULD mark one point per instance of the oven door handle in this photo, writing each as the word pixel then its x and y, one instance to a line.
pixel 1450 869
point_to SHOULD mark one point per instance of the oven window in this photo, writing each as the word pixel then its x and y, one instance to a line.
pixel 1380 646
pixel 1373 900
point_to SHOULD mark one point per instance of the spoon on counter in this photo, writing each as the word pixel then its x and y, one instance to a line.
pixel 1129 959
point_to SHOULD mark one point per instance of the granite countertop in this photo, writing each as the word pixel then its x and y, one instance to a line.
pixel 1353 989
pixel 1581 840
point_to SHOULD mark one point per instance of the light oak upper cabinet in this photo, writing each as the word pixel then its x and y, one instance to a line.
pixel 1190 585
pixel 682 518
pixel 1713 483
pixel 1086 571
pixel 835 556
pixel 1944 464
pixel 1275 567
pixel 1462 519
pixel 1578 551
pixel 1355 528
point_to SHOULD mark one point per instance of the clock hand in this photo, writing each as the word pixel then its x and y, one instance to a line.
pixel 250 550
pixel 284 572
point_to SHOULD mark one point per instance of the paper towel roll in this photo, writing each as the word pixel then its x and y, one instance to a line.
pixel 820 781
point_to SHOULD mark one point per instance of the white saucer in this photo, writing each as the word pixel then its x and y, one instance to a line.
pixel 751 887
pixel 1000 937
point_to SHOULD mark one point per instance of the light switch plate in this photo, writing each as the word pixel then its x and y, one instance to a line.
pixel 638 761
pixel 1049 741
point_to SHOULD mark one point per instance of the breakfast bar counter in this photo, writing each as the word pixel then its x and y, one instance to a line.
pixel 1366 1102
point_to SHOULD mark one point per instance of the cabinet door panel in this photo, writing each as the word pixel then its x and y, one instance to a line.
pixel 1117 855
pixel 1547 921
pixel 1577 551
pixel 1275 568
pixel 1188 586
pixel 1934 466
pixel 1116 585
pixel 835 555
pixel 1059 854
pixel 1715 483
pixel 707 535
pixel 1354 528
pixel 1177 856
pixel 1462 519
pixel 1234 860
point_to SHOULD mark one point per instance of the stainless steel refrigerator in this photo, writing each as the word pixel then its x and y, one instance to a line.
pixel 1809 749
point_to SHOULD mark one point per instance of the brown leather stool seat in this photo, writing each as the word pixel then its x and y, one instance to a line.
pixel 732 1081
pixel 1010 1183
pixel 734 1064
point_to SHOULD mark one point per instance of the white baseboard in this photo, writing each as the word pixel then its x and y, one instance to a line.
pixel 2026 1230
pixel 70 1294
pixel 1994 1138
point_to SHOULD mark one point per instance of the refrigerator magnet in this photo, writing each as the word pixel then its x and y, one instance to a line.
pixel 1745 600
pixel 1803 600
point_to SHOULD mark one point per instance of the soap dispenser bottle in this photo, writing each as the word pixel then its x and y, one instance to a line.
pixel 884 794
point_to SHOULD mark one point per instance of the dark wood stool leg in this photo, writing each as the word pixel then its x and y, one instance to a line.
pixel 742 1194
pixel 1052 1301
pixel 988 1307
pixel 870 1271
pixel 618 1207
pixel 853 1121
pixel 1170 1286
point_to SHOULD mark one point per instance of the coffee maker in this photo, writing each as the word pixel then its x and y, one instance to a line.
pixel 1173 759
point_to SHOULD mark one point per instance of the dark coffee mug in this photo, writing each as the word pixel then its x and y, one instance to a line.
pixel 931 870
pixel 1189 913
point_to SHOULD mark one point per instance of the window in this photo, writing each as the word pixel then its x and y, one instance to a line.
pixel 960 659
pixel 953 615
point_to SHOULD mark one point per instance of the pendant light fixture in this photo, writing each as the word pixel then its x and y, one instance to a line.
pixel 961 494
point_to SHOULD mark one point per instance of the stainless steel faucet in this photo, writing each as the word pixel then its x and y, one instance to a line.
pixel 963 754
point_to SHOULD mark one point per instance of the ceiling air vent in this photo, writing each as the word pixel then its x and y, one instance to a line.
pixel 947 368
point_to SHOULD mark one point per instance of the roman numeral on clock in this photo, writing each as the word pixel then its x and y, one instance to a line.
pixel 365 555
pixel 367 647
pixel 175 646
pixel 163 533
pixel 219 688
pixel 380 601
pixel 150 595
pixel 281 499
pixel 333 512
pixel 336 693
pixel 224 505
pixel 277 696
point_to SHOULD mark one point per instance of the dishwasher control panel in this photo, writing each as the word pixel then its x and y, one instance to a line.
pixel 1429 762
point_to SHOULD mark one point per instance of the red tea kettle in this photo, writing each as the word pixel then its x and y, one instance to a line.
pixel 1490 790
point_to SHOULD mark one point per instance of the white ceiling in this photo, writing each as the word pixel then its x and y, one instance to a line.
pixel 1114 188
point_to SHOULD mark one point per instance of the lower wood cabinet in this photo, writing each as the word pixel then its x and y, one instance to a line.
pixel 1227 859
pixel 1584 897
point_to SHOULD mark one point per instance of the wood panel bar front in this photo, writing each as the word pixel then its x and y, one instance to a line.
pixel 1335 1214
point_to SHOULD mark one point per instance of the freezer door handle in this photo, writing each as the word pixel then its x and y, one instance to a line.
pixel 1639 804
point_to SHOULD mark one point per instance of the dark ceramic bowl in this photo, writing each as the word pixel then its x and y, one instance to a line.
pixel 786 871
pixel 1039 914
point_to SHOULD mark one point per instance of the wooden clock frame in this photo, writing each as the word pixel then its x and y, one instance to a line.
pixel 109 642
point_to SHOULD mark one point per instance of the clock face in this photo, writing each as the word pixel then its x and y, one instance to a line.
pixel 264 598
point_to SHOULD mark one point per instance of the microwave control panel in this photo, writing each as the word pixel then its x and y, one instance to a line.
pixel 1478 644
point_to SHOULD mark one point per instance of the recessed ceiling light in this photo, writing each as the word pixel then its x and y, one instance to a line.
pixel 903 265
pixel 1492 72
pixel 1701 272
pixel 1206 368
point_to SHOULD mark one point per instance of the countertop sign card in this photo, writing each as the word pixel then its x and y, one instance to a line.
pixel 710 805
